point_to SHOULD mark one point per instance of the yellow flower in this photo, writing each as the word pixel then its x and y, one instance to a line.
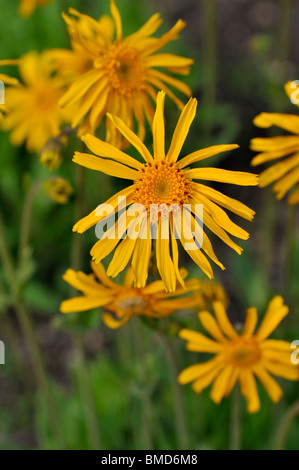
pixel 122 77
pixel 163 180
pixel 240 357
pixel 59 190
pixel 34 115
pixel 27 7
pixel 121 302
pixel 285 174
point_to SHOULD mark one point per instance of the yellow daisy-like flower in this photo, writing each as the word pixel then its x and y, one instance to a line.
pixel 240 357
pixel 162 181
pixel 122 302
pixel 285 174
pixel 34 115
pixel 122 77
pixel 27 7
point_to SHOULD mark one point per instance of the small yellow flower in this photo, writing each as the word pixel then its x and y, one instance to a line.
pixel 285 174
pixel 51 154
pixel 122 302
pixel 27 7
pixel 34 115
pixel 59 190
pixel 122 77
pixel 163 180
pixel 240 357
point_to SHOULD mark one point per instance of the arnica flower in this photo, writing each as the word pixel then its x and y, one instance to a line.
pixel 58 189
pixel 27 7
pixel 122 78
pixel 284 174
pixel 34 115
pixel 240 357
pixel 122 302
pixel 164 181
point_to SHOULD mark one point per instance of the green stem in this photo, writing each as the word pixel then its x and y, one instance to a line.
pixel 76 262
pixel 284 427
pixel 146 439
pixel 26 221
pixel 181 427
pixel 29 334
pixel 290 242
pixel 86 392
pixel 236 420
pixel 40 371
pixel 210 61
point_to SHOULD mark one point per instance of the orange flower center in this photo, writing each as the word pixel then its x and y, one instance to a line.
pixel 132 304
pixel 125 71
pixel 45 98
pixel 244 353
pixel 162 183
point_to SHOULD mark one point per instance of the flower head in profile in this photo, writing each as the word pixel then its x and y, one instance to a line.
pixel 122 302
pixel 163 182
pixel 33 113
pixel 122 77
pixel 240 357
pixel 58 189
pixel 284 174
pixel 27 7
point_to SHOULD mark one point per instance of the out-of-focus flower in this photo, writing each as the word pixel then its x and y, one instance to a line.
pixel 240 357
pixel 34 115
pixel 59 189
pixel 121 77
pixel 209 293
pixel 285 174
pixel 121 302
pixel 27 7
pixel 163 181
pixel 51 154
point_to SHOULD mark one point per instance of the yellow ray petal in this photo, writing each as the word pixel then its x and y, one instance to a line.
pixel 105 166
pixel 181 131
pixel 223 321
pixel 131 137
pixel 239 178
pixel 205 153
pixel 159 128
pixel 275 313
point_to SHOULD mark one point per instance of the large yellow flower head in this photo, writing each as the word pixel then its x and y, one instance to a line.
pixel 122 302
pixel 160 183
pixel 27 7
pixel 33 113
pixel 122 77
pixel 284 174
pixel 240 357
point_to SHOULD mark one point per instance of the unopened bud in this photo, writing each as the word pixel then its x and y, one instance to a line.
pixel 59 190
pixel 51 154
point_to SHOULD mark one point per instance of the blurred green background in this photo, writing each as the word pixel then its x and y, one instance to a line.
pixel 244 52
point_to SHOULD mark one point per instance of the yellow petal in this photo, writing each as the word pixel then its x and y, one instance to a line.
pixel 159 128
pixel 131 137
pixel 205 153
pixel 105 166
pixel 275 313
pixel 181 131
pixel 223 321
